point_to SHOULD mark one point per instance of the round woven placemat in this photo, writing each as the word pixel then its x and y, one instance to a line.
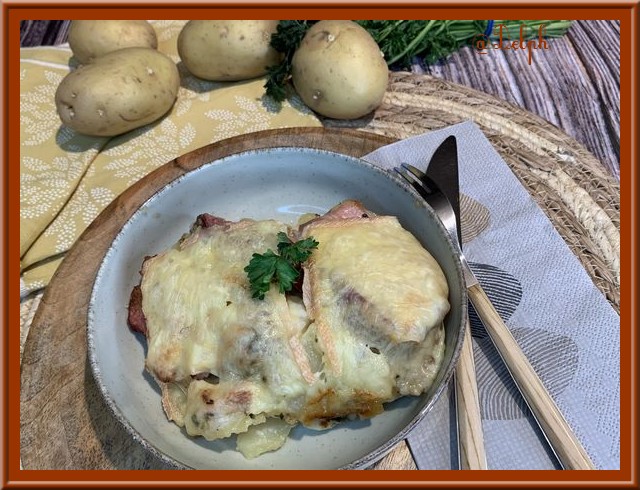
pixel 571 186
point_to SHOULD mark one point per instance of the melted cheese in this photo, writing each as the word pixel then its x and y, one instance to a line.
pixel 378 300
pixel 370 329
pixel 199 311
pixel 201 318
pixel 378 265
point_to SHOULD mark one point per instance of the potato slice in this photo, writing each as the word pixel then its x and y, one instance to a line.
pixel 263 438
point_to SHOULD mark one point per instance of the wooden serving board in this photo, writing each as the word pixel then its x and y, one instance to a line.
pixel 64 421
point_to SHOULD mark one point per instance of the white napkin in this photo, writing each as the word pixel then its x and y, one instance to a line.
pixel 565 326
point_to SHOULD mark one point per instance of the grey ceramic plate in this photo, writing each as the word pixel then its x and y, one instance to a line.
pixel 280 183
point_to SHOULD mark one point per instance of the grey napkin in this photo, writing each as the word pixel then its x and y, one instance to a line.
pixel 565 326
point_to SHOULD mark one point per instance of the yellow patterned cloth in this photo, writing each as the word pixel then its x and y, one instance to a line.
pixel 67 179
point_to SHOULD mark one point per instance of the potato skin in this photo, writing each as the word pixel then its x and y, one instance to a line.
pixel 339 70
pixel 118 92
pixel 90 39
pixel 227 50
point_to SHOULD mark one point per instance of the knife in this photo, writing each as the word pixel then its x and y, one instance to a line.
pixel 443 170
pixel 552 423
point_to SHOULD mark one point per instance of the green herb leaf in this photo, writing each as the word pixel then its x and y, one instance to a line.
pixel 289 34
pixel 298 252
pixel 282 269
pixel 286 275
pixel 260 271
pixel 277 77
pixel 286 40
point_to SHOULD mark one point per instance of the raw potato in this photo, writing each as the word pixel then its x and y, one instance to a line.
pixel 118 92
pixel 228 50
pixel 339 70
pixel 90 39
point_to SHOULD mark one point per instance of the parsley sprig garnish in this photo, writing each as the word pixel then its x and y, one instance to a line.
pixel 282 268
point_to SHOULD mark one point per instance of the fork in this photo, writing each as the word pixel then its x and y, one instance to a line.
pixel 556 430
pixel 471 452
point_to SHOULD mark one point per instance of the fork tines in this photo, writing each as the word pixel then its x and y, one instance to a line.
pixel 416 172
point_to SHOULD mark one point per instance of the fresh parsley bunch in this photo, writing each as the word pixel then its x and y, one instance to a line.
pixel 432 40
pixel 401 41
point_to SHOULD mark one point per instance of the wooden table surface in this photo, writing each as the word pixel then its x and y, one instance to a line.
pixel 575 84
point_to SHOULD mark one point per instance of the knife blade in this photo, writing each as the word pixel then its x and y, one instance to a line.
pixel 443 171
